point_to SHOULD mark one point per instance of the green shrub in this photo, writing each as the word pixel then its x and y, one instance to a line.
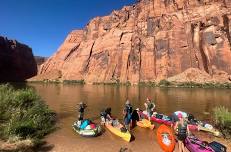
pixel 23 114
pixel 164 83
pixel 74 81
pixel 149 83
pixel 222 119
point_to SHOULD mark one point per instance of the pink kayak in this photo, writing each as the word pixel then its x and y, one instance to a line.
pixel 195 145
pixel 164 120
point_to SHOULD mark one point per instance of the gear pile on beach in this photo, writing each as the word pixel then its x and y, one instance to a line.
pixel 175 128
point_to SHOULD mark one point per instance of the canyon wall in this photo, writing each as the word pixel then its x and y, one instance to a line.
pixel 17 62
pixel 148 41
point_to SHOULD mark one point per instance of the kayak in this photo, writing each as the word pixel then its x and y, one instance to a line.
pixel 202 126
pixel 88 132
pixel 144 123
pixel 195 145
pixel 164 119
pixel 209 128
pixel 166 138
pixel 116 128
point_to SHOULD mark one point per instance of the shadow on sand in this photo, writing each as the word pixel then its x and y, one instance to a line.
pixel 43 147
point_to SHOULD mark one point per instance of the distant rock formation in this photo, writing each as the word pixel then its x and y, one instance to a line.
pixel 40 60
pixel 17 62
pixel 148 41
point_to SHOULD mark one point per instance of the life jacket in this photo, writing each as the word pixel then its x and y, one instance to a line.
pixel 128 109
pixel 182 129
pixel 151 105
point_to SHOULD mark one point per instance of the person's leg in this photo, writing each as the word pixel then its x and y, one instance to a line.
pixel 183 148
pixel 179 143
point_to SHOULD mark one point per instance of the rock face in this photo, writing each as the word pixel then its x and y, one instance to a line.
pixel 16 61
pixel 149 41
pixel 39 61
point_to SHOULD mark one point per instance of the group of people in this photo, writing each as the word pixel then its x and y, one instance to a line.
pixel 179 119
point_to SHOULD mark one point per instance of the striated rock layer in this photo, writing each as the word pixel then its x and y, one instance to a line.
pixel 17 62
pixel 148 41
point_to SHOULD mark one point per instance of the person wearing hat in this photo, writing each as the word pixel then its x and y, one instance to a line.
pixel 150 106
pixel 127 114
pixel 182 131
pixel 81 108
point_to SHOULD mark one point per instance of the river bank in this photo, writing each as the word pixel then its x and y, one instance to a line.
pixel 160 84
pixel 146 142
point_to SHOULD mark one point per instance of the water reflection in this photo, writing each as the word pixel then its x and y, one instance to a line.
pixel 63 98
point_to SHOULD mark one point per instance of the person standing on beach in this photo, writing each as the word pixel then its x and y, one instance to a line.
pixel 150 106
pixel 182 131
pixel 127 115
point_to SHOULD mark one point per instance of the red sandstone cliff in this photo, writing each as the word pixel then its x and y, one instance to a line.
pixel 149 41
pixel 16 61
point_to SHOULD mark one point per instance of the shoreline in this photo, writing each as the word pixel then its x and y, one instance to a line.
pixel 57 145
pixel 160 84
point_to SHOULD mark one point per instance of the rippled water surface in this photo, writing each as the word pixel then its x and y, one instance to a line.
pixel 63 99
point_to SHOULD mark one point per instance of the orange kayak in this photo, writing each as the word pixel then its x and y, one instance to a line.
pixel 166 138
pixel 144 123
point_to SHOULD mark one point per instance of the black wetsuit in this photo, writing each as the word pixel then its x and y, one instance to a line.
pixel 182 132
pixel 128 115
pixel 81 112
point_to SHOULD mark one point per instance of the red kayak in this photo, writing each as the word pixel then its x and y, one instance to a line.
pixel 155 119
pixel 163 119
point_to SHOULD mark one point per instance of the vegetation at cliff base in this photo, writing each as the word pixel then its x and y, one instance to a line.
pixel 23 115
pixel 222 118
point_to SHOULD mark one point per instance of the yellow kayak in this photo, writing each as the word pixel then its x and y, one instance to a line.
pixel 115 129
pixel 144 123
pixel 212 130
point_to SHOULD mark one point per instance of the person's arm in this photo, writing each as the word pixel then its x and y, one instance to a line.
pixel 124 113
pixel 109 116
pixel 146 105
pixel 188 130
pixel 175 126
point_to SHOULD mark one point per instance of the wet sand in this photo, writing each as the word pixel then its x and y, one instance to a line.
pixel 145 141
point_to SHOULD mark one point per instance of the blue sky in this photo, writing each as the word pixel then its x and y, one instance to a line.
pixel 44 24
